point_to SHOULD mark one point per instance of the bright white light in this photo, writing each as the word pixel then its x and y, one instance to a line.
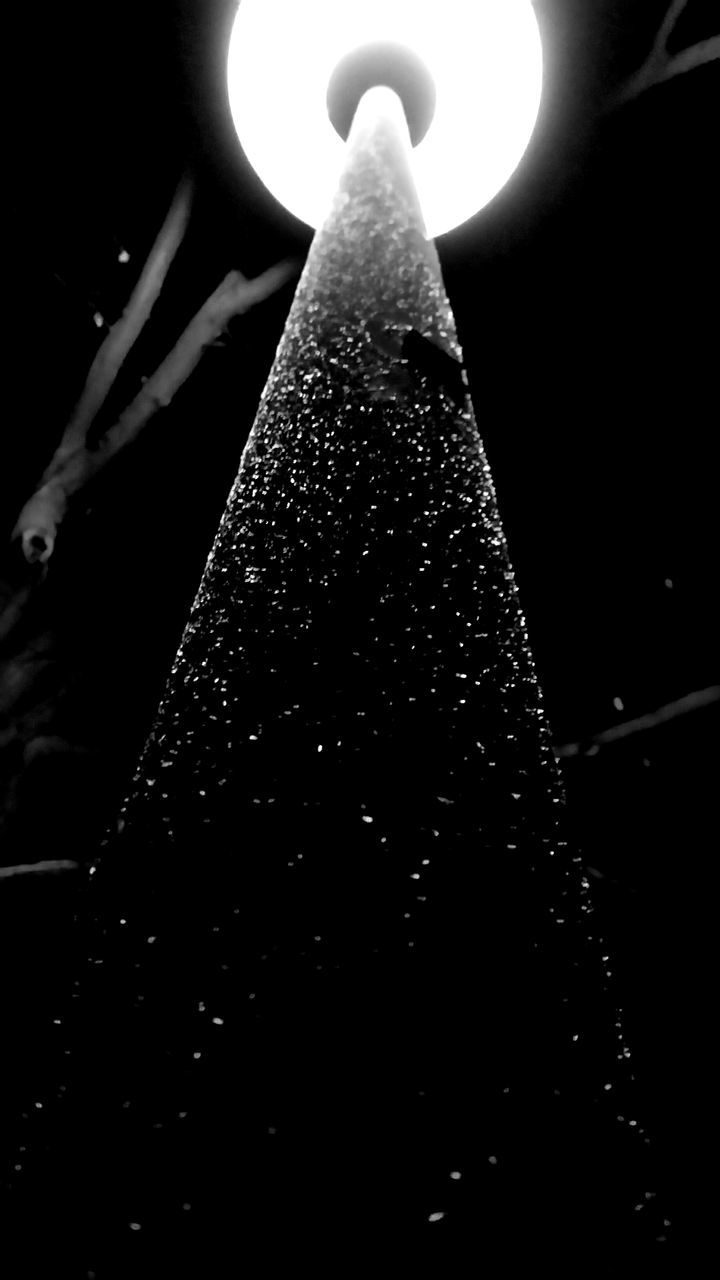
pixel 486 60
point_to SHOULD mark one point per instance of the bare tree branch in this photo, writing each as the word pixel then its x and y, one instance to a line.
pixel 660 65
pixel 673 14
pixel 115 347
pixel 233 297
pixel 60 866
pixel 38 542
pixel 697 55
pixel 42 515
pixel 618 732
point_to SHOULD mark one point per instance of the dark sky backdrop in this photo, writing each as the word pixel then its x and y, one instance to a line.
pixel 586 298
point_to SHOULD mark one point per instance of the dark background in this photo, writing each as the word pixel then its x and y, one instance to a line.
pixel 585 296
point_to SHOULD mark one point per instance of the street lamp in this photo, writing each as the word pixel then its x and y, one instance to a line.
pixel 351 997
pixel 484 60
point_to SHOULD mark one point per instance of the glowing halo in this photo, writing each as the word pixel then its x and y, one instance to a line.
pixel 485 57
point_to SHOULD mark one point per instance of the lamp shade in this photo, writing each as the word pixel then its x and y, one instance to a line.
pixel 485 60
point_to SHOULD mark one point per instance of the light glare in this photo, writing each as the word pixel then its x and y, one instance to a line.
pixel 484 55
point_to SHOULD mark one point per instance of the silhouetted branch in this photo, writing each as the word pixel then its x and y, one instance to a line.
pixel 36 532
pixel 618 732
pixel 57 867
pixel 233 297
pixel 661 65
pixel 41 517
pixel 122 336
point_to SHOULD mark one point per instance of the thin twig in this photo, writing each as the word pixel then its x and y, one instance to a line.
pixel 660 65
pixel 674 12
pixel 618 732
pixel 122 336
pixel 234 296
pixel 38 539
pixel 42 515
pixel 54 867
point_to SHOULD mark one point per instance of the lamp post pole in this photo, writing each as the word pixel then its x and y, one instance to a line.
pixel 346 993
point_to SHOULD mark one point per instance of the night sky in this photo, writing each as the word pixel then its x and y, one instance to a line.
pixel 585 307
